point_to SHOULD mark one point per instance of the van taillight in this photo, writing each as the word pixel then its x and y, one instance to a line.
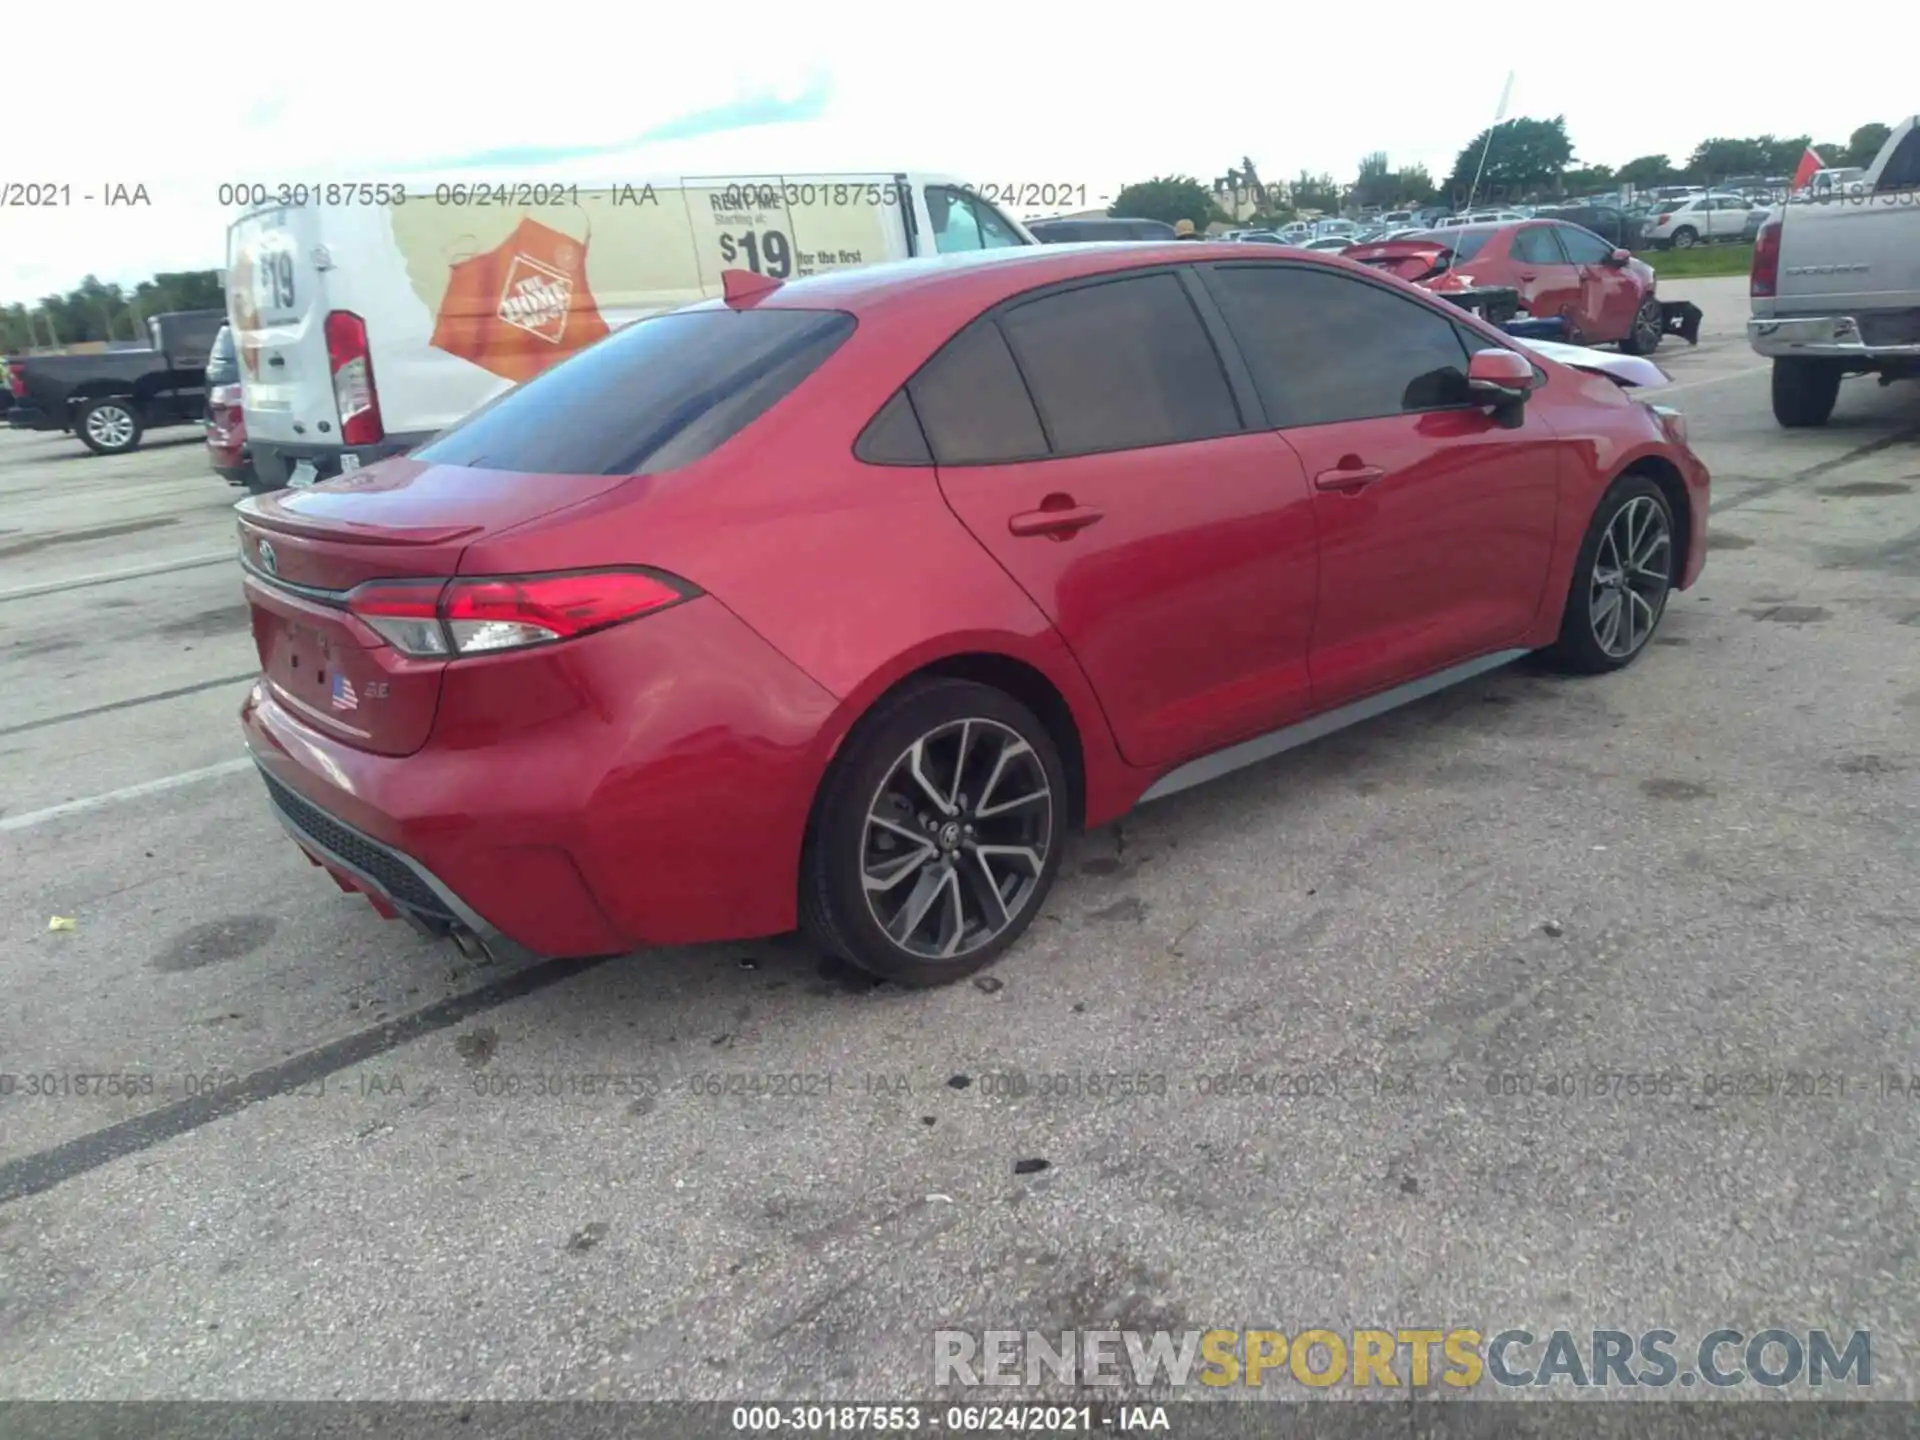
pixel 353 390
pixel 1764 279
pixel 17 380
pixel 479 615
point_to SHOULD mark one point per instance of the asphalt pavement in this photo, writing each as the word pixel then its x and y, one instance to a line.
pixel 328 1159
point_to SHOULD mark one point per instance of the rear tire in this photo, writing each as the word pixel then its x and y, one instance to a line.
pixel 1621 580
pixel 1804 391
pixel 109 427
pixel 921 868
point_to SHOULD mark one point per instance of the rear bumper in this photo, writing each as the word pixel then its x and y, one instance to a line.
pixel 275 461
pixel 1835 337
pixel 410 890
pixel 650 785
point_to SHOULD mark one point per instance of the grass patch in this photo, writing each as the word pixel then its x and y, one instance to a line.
pixel 1701 260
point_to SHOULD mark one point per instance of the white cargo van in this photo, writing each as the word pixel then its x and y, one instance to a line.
pixel 368 322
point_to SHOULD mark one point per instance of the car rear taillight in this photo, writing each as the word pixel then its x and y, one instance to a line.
pixel 17 380
pixel 1663 219
pixel 224 395
pixel 1764 278
pixel 482 615
pixel 353 389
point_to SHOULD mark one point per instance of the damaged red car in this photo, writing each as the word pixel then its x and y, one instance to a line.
pixel 837 604
pixel 1560 271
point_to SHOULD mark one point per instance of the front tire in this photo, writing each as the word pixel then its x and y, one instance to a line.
pixel 1649 325
pixel 1804 391
pixel 1621 580
pixel 938 835
pixel 1685 238
pixel 109 427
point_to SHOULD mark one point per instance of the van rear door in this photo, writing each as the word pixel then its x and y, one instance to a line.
pixel 277 305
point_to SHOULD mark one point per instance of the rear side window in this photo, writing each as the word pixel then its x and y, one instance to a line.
pixel 1121 365
pixel 652 396
pixel 1325 347
pixel 972 403
pixel 1465 244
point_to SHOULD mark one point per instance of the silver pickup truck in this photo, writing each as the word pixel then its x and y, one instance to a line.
pixel 1836 284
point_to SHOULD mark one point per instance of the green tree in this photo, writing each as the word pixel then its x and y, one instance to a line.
pixel 1526 156
pixel 1647 170
pixel 1315 192
pixel 1864 145
pixel 1586 179
pixel 1375 184
pixel 1171 198
pixel 1413 186
pixel 1722 157
pixel 96 310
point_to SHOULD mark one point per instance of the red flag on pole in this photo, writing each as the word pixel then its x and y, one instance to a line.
pixel 1810 164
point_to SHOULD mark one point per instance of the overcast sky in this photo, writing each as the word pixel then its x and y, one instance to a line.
pixel 358 90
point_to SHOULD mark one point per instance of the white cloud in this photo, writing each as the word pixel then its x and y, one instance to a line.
pixel 1065 95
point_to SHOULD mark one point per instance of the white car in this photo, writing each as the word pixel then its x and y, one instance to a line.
pixel 1682 224
pixel 1327 242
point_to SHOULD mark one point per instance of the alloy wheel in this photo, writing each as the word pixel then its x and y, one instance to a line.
pixel 1632 572
pixel 110 426
pixel 1646 326
pixel 956 839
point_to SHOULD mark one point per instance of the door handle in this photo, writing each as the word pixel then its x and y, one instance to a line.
pixel 1059 521
pixel 1528 275
pixel 1349 477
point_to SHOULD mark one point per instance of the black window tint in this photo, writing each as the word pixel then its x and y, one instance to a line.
pixel 894 436
pixel 652 396
pixel 1903 168
pixel 1535 245
pixel 1325 347
pixel 1121 365
pixel 972 403
pixel 1583 247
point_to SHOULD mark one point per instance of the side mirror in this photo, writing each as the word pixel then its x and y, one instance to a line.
pixel 1499 377
pixel 1619 258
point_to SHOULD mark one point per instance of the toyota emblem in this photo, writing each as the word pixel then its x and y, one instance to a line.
pixel 267 562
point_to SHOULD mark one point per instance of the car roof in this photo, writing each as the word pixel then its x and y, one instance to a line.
pixel 985 276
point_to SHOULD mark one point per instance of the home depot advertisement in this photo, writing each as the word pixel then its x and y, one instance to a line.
pixel 512 289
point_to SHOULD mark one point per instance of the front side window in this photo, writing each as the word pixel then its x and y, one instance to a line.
pixel 1121 365
pixel 1326 347
pixel 652 396
pixel 1583 247
pixel 966 222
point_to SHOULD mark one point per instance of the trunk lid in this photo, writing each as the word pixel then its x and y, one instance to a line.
pixel 277 306
pixel 303 550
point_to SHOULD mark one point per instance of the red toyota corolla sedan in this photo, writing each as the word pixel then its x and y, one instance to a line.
pixel 1561 271
pixel 838 603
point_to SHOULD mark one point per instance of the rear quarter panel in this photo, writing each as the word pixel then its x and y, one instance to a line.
pixel 858 574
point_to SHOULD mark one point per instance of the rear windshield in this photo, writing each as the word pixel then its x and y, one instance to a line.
pixel 1465 244
pixel 652 396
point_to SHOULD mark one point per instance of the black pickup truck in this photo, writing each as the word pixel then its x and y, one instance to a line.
pixel 111 398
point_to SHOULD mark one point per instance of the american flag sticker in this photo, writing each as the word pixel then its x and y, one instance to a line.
pixel 343 696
